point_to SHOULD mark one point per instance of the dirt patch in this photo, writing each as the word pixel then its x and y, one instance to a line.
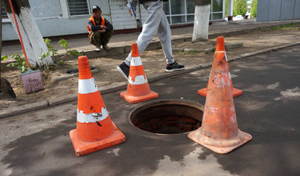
pixel 153 62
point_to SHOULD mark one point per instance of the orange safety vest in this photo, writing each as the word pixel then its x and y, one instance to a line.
pixel 93 20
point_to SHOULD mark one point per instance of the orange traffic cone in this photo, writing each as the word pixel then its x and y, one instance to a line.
pixel 219 131
pixel 221 47
pixel 95 130
pixel 138 89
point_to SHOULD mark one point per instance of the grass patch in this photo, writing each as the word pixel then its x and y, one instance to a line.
pixel 291 26
pixel 193 52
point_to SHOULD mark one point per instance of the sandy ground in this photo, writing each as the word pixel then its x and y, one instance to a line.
pixel 153 62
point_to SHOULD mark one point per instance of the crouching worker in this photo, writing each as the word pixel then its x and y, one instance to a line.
pixel 100 29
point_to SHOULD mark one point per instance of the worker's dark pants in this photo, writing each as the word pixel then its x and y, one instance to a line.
pixel 98 39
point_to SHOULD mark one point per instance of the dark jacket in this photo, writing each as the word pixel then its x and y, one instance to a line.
pixel 97 27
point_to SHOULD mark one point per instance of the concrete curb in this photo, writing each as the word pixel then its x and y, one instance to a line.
pixel 228 47
pixel 122 86
pixel 71 76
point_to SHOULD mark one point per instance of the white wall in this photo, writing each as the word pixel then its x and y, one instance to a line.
pixel 121 19
pixel 53 18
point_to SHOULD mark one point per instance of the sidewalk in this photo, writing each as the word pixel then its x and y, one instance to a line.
pixel 120 43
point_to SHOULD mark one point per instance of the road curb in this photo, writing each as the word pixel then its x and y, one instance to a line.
pixel 122 86
pixel 23 109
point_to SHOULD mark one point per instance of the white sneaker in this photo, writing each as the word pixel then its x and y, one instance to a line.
pixel 97 48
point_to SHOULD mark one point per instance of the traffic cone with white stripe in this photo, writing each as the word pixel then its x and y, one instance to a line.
pixel 221 47
pixel 95 130
pixel 138 89
pixel 219 130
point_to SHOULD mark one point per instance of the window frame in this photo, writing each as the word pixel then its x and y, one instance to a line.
pixel 185 14
pixel 74 16
pixel 5 19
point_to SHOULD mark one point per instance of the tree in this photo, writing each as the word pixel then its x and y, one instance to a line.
pixel 32 39
pixel 5 87
pixel 254 8
pixel 239 7
pixel 201 21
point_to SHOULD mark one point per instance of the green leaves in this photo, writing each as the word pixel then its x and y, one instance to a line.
pixel 239 7
pixel 20 62
pixel 51 51
pixel 74 52
pixel 254 8
pixel 63 43
pixel 3 57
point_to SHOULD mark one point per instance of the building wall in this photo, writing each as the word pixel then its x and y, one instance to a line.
pixel 121 19
pixel 278 10
pixel 53 18
pixel 177 12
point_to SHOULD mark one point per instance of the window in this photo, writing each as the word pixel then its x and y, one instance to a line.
pixel 216 10
pixel 182 11
pixel 78 7
pixel 4 14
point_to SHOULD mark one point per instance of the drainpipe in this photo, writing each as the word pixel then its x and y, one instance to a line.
pixel 230 10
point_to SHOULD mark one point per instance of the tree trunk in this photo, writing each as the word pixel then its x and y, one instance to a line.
pixel 201 22
pixel 32 39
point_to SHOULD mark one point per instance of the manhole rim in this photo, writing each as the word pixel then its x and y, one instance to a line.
pixel 150 104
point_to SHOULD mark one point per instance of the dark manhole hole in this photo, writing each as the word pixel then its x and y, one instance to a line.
pixel 168 116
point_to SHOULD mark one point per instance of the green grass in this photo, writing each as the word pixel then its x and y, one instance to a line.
pixel 193 52
pixel 291 25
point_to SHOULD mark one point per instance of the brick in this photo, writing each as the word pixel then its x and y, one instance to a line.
pixel 198 125
pixel 170 118
pixel 180 126
pixel 161 124
pixel 140 125
pixel 188 120
pixel 187 127
pixel 155 121
pixel 171 123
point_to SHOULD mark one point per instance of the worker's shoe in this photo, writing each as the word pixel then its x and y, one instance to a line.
pixel 97 48
pixel 174 67
pixel 124 70
pixel 105 47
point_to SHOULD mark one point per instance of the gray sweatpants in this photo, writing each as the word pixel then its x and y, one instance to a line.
pixel 156 23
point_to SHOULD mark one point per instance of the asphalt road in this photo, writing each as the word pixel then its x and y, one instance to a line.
pixel 38 143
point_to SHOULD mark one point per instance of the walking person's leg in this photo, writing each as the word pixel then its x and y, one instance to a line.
pixel 148 33
pixel 164 35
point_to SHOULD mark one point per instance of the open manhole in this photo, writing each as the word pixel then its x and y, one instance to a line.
pixel 168 116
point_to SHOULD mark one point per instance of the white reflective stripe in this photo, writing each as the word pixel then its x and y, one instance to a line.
pixel 226 57
pixel 229 75
pixel 135 61
pixel 92 117
pixel 138 80
pixel 86 86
